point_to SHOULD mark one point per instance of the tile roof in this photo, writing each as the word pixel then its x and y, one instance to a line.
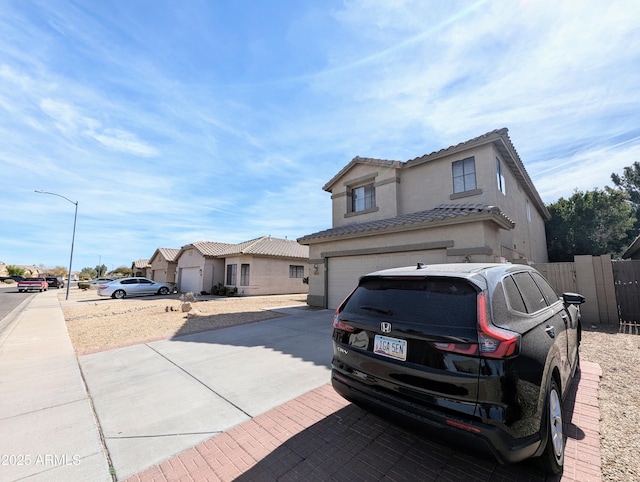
pixel 443 212
pixel 169 254
pixel 263 246
pixel 269 246
pixel 141 263
pixel 208 248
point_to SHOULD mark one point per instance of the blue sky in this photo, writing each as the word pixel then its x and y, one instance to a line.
pixel 174 122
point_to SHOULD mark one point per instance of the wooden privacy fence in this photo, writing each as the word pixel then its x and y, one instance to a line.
pixel 626 276
pixel 592 277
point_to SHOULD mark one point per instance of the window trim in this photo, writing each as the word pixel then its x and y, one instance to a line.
pixel 369 201
pixel 295 270
pixel 232 274
pixel 464 162
pixel 245 274
pixel 502 186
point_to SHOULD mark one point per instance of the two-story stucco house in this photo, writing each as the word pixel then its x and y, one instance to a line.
pixel 472 202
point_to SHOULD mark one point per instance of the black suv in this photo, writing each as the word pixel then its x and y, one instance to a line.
pixel 55 282
pixel 480 355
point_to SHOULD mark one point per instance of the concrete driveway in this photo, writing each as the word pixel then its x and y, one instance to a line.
pixel 157 399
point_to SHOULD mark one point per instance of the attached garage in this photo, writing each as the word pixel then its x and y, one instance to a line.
pixel 343 272
pixel 190 280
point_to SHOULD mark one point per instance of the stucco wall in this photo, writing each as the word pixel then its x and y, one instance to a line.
pixel 386 184
pixel 162 270
pixel 469 241
pixel 423 186
pixel 268 276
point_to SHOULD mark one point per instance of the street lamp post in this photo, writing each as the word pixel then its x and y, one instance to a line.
pixel 99 264
pixel 73 236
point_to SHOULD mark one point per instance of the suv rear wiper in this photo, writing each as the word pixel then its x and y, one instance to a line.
pixel 382 311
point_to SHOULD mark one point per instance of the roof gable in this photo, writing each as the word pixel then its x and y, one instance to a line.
pixel 140 263
pixel 360 160
pixel 498 137
pixel 168 254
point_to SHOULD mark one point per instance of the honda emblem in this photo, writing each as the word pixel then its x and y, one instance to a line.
pixel 385 327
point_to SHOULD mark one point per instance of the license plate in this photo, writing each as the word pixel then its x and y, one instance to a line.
pixel 391 347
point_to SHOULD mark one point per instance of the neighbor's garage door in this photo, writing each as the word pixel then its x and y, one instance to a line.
pixel 189 280
pixel 345 271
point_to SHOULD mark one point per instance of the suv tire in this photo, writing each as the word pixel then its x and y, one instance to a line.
pixel 552 459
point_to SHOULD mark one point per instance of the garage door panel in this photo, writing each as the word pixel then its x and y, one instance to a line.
pixel 190 280
pixel 345 271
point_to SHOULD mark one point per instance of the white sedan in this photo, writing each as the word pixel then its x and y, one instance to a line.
pixel 134 287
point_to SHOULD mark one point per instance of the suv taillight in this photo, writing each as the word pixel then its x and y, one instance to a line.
pixel 338 324
pixel 494 342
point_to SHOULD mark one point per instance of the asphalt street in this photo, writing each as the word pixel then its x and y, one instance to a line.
pixel 10 300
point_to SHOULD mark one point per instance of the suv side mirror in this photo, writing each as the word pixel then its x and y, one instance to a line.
pixel 573 298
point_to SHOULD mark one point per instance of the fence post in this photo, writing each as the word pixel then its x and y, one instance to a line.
pixel 586 284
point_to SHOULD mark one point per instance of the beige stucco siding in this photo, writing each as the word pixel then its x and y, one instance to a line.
pixel 468 241
pixel 268 276
pixel 210 271
pixel 385 180
pixel 162 270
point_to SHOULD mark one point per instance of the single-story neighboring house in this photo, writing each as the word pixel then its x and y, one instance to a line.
pixel 633 251
pixel 261 266
pixel 472 202
pixel 164 265
pixel 141 268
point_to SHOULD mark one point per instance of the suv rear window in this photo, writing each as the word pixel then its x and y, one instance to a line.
pixel 427 301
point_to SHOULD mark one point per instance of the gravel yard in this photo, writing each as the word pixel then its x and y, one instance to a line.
pixel 619 357
pixel 97 323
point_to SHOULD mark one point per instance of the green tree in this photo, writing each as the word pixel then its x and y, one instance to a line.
pixel 593 222
pixel 630 183
pixel 88 273
pixel 15 270
pixel 101 269
pixel 121 272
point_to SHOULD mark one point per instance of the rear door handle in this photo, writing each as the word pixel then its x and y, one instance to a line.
pixel 550 331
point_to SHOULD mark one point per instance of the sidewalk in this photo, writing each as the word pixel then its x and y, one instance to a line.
pixel 46 421
pixel 49 431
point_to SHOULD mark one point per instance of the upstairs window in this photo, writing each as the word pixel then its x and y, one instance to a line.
pixel 363 198
pixel 464 175
pixel 501 185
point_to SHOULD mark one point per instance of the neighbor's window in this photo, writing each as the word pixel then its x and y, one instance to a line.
pixel 464 175
pixel 501 185
pixel 232 273
pixel 244 275
pixel 363 197
pixel 296 271
pixel 528 207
